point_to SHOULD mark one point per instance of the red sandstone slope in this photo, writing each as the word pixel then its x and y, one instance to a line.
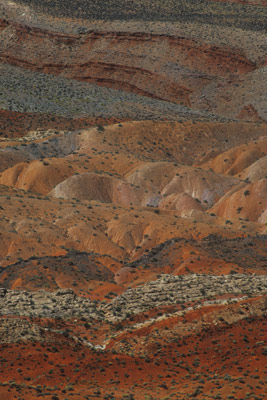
pixel 226 80
pixel 240 204
pixel 115 181
pixel 16 124
pixel 211 350
pixel 114 233
pixel 235 160
pixel 56 53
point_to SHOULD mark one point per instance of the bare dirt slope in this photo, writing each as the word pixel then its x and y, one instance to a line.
pixel 133 214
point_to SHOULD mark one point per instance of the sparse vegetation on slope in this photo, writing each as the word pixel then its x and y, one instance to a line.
pixel 133 192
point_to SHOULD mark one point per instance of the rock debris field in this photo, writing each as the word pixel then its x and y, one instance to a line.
pixel 167 290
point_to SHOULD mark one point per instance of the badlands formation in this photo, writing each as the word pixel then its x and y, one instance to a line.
pixel 133 199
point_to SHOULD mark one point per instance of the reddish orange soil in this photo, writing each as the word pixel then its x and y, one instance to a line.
pixel 104 205
pixel 58 54
pixel 15 124
pixel 219 359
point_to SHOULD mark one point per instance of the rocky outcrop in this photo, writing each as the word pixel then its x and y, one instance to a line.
pixel 63 303
pixel 183 289
pixel 167 290
pixel 15 330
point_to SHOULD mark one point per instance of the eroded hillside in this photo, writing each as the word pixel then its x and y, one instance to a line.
pixel 133 198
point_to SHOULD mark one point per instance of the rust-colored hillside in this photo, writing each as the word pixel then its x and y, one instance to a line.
pixel 133 200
